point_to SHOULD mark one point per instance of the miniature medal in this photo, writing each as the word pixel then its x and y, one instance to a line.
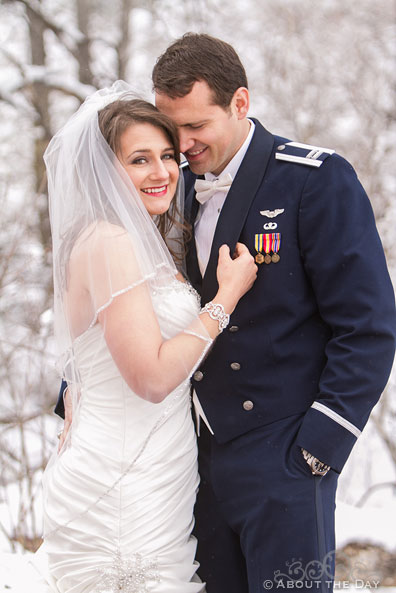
pixel 258 245
pixel 267 241
pixel 275 247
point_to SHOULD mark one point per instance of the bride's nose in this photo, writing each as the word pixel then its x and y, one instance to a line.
pixel 159 170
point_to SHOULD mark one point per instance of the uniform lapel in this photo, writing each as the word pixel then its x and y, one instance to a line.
pixel 237 204
pixel 194 273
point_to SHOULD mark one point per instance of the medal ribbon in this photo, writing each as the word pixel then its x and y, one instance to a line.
pixel 276 242
pixel 268 240
pixel 258 242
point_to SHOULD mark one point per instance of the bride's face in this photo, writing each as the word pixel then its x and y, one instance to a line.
pixel 148 157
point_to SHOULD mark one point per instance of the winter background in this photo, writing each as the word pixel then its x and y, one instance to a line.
pixel 322 73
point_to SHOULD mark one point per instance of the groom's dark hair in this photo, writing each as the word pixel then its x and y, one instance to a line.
pixel 199 57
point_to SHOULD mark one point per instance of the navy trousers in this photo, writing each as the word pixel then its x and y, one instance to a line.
pixel 263 521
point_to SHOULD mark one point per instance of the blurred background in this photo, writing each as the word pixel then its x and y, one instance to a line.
pixel 321 73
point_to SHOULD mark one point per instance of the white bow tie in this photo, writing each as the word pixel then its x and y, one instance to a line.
pixel 206 189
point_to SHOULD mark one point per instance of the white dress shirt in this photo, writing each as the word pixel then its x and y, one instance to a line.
pixel 208 213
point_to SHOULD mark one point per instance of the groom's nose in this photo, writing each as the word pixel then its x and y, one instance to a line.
pixel 186 141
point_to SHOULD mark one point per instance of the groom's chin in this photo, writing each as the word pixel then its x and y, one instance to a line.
pixel 197 168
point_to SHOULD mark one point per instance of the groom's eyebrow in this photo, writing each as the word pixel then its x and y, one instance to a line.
pixel 193 123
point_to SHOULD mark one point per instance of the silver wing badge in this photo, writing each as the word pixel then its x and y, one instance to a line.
pixel 272 213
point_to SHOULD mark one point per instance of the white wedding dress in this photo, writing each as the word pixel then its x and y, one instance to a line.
pixel 119 501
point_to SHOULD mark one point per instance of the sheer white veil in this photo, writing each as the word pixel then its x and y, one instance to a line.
pixel 96 212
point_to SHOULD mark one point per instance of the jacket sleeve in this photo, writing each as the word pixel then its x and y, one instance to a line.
pixel 60 408
pixel 345 264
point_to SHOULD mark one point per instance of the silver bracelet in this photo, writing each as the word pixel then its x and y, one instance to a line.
pixel 216 312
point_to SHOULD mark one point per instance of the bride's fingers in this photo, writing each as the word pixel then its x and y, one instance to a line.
pixel 61 440
pixel 240 249
pixel 63 434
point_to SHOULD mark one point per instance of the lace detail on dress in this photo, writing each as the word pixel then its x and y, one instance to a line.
pixel 129 575
pixel 183 287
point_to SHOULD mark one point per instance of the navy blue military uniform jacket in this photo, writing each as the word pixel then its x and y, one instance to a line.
pixel 316 333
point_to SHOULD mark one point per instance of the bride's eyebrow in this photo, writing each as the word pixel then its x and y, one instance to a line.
pixel 148 150
pixel 138 151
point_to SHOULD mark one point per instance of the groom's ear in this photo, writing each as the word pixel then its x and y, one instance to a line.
pixel 240 102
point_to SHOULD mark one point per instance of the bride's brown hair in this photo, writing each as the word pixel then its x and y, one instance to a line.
pixel 114 119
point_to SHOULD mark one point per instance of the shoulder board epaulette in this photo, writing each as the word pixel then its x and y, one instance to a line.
pixel 304 154
pixel 183 164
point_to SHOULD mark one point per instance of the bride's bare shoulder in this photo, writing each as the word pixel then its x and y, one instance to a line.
pixel 101 240
pixel 101 233
pixel 103 229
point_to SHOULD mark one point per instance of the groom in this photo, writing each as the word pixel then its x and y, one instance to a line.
pixel 289 385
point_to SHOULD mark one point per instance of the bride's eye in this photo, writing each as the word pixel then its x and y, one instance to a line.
pixel 169 156
pixel 139 161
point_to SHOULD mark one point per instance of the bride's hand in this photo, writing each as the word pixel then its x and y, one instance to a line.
pixel 235 275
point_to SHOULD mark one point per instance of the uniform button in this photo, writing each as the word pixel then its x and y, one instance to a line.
pixel 234 328
pixel 235 366
pixel 248 405
pixel 281 147
pixel 198 375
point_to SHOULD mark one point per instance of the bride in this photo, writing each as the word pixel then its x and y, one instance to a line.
pixel 119 495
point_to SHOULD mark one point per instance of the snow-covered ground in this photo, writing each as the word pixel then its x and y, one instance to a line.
pixel 374 525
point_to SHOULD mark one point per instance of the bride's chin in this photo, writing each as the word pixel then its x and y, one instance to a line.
pixel 158 211
pixel 157 208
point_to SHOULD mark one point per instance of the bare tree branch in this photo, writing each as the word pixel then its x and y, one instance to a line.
pixel 70 38
pixel 123 44
pixel 362 501
pixel 83 56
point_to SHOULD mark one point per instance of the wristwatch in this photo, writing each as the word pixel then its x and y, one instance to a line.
pixel 318 468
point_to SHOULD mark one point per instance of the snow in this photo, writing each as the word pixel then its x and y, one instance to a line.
pixel 374 525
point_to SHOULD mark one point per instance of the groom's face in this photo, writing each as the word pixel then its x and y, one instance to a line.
pixel 209 135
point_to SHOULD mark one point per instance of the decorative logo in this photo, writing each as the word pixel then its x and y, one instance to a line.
pixel 319 576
